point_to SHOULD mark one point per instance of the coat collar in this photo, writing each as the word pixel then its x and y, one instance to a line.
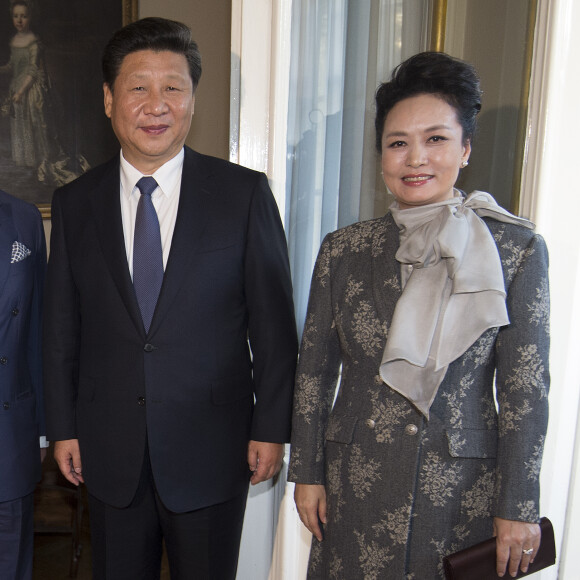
pixel 106 207
pixel 192 216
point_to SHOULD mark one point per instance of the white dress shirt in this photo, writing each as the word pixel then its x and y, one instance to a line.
pixel 165 200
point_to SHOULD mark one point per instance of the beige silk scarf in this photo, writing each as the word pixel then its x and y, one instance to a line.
pixel 453 290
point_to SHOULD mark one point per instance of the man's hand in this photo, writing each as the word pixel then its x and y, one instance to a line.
pixel 264 460
pixel 514 539
pixel 311 505
pixel 68 457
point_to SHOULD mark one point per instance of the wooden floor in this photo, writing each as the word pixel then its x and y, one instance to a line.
pixel 53 551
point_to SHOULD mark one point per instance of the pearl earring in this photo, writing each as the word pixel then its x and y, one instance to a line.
pixel 464 163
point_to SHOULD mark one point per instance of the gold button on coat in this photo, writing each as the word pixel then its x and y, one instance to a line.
pixel 411 429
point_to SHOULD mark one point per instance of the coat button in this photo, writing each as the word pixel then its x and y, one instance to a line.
pixel 3 360
pixel 370 423
pixel 411 429
pixel 15 312
pixel 148 347
pixel 6 406
pixel 141 401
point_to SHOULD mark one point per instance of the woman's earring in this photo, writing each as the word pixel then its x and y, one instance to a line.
pixel 464 163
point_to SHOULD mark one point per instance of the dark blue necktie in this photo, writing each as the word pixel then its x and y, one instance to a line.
pixel 147 252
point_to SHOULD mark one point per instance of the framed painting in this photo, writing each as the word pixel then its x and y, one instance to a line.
pixel 52 123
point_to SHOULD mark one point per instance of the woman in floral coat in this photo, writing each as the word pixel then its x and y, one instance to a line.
pixel 428 315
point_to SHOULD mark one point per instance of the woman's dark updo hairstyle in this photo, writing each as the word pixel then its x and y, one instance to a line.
pixel 434 73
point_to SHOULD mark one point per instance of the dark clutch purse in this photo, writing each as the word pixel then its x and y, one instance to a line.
pixel 478 562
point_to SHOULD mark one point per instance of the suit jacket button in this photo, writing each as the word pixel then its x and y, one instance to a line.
pixel 148 347
pixel 6 406
pixel 411 429
pixel 370 423
pixel 3 361
pixel 15 312
pixel 141 401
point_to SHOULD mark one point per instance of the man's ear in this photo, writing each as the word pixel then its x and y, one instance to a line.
pixel 108 99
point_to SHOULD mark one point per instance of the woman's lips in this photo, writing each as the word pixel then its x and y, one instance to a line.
pixel 416 180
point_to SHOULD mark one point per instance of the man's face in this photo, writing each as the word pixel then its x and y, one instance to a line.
pixel 150 107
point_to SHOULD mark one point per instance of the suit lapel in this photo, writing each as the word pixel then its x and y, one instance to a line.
pixel 192 216
pixel 8 235
pixel 106 208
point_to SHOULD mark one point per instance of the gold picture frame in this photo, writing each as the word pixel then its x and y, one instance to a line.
pixel 437 36
pixel 130 11
pixel 438 42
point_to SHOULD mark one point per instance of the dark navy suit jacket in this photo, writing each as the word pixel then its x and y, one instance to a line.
pixel 22 270
pixel 191 386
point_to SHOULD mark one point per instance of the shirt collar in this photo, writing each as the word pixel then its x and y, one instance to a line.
pixel 167 176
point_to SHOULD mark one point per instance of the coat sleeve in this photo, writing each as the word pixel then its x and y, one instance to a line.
pixel 316 377
pixel 271 322
pixel 522 384
pixel 61 335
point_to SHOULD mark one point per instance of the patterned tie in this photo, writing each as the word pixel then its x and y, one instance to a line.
pixel 147 252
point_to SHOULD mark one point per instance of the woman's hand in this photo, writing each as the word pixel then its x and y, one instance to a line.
pixel 311 504
pixel 514 539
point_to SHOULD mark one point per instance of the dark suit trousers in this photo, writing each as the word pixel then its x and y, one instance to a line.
pixel 16 538
pixel 201 545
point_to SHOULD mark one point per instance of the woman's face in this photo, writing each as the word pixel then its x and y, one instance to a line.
pixel 422 150
pixel 20 18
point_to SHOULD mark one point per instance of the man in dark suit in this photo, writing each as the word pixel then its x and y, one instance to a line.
pixel 22 269
pixel 170 342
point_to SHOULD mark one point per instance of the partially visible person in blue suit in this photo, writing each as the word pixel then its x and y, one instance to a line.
pixel 22 269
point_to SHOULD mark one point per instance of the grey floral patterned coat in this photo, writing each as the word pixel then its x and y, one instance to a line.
pixel 403 492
